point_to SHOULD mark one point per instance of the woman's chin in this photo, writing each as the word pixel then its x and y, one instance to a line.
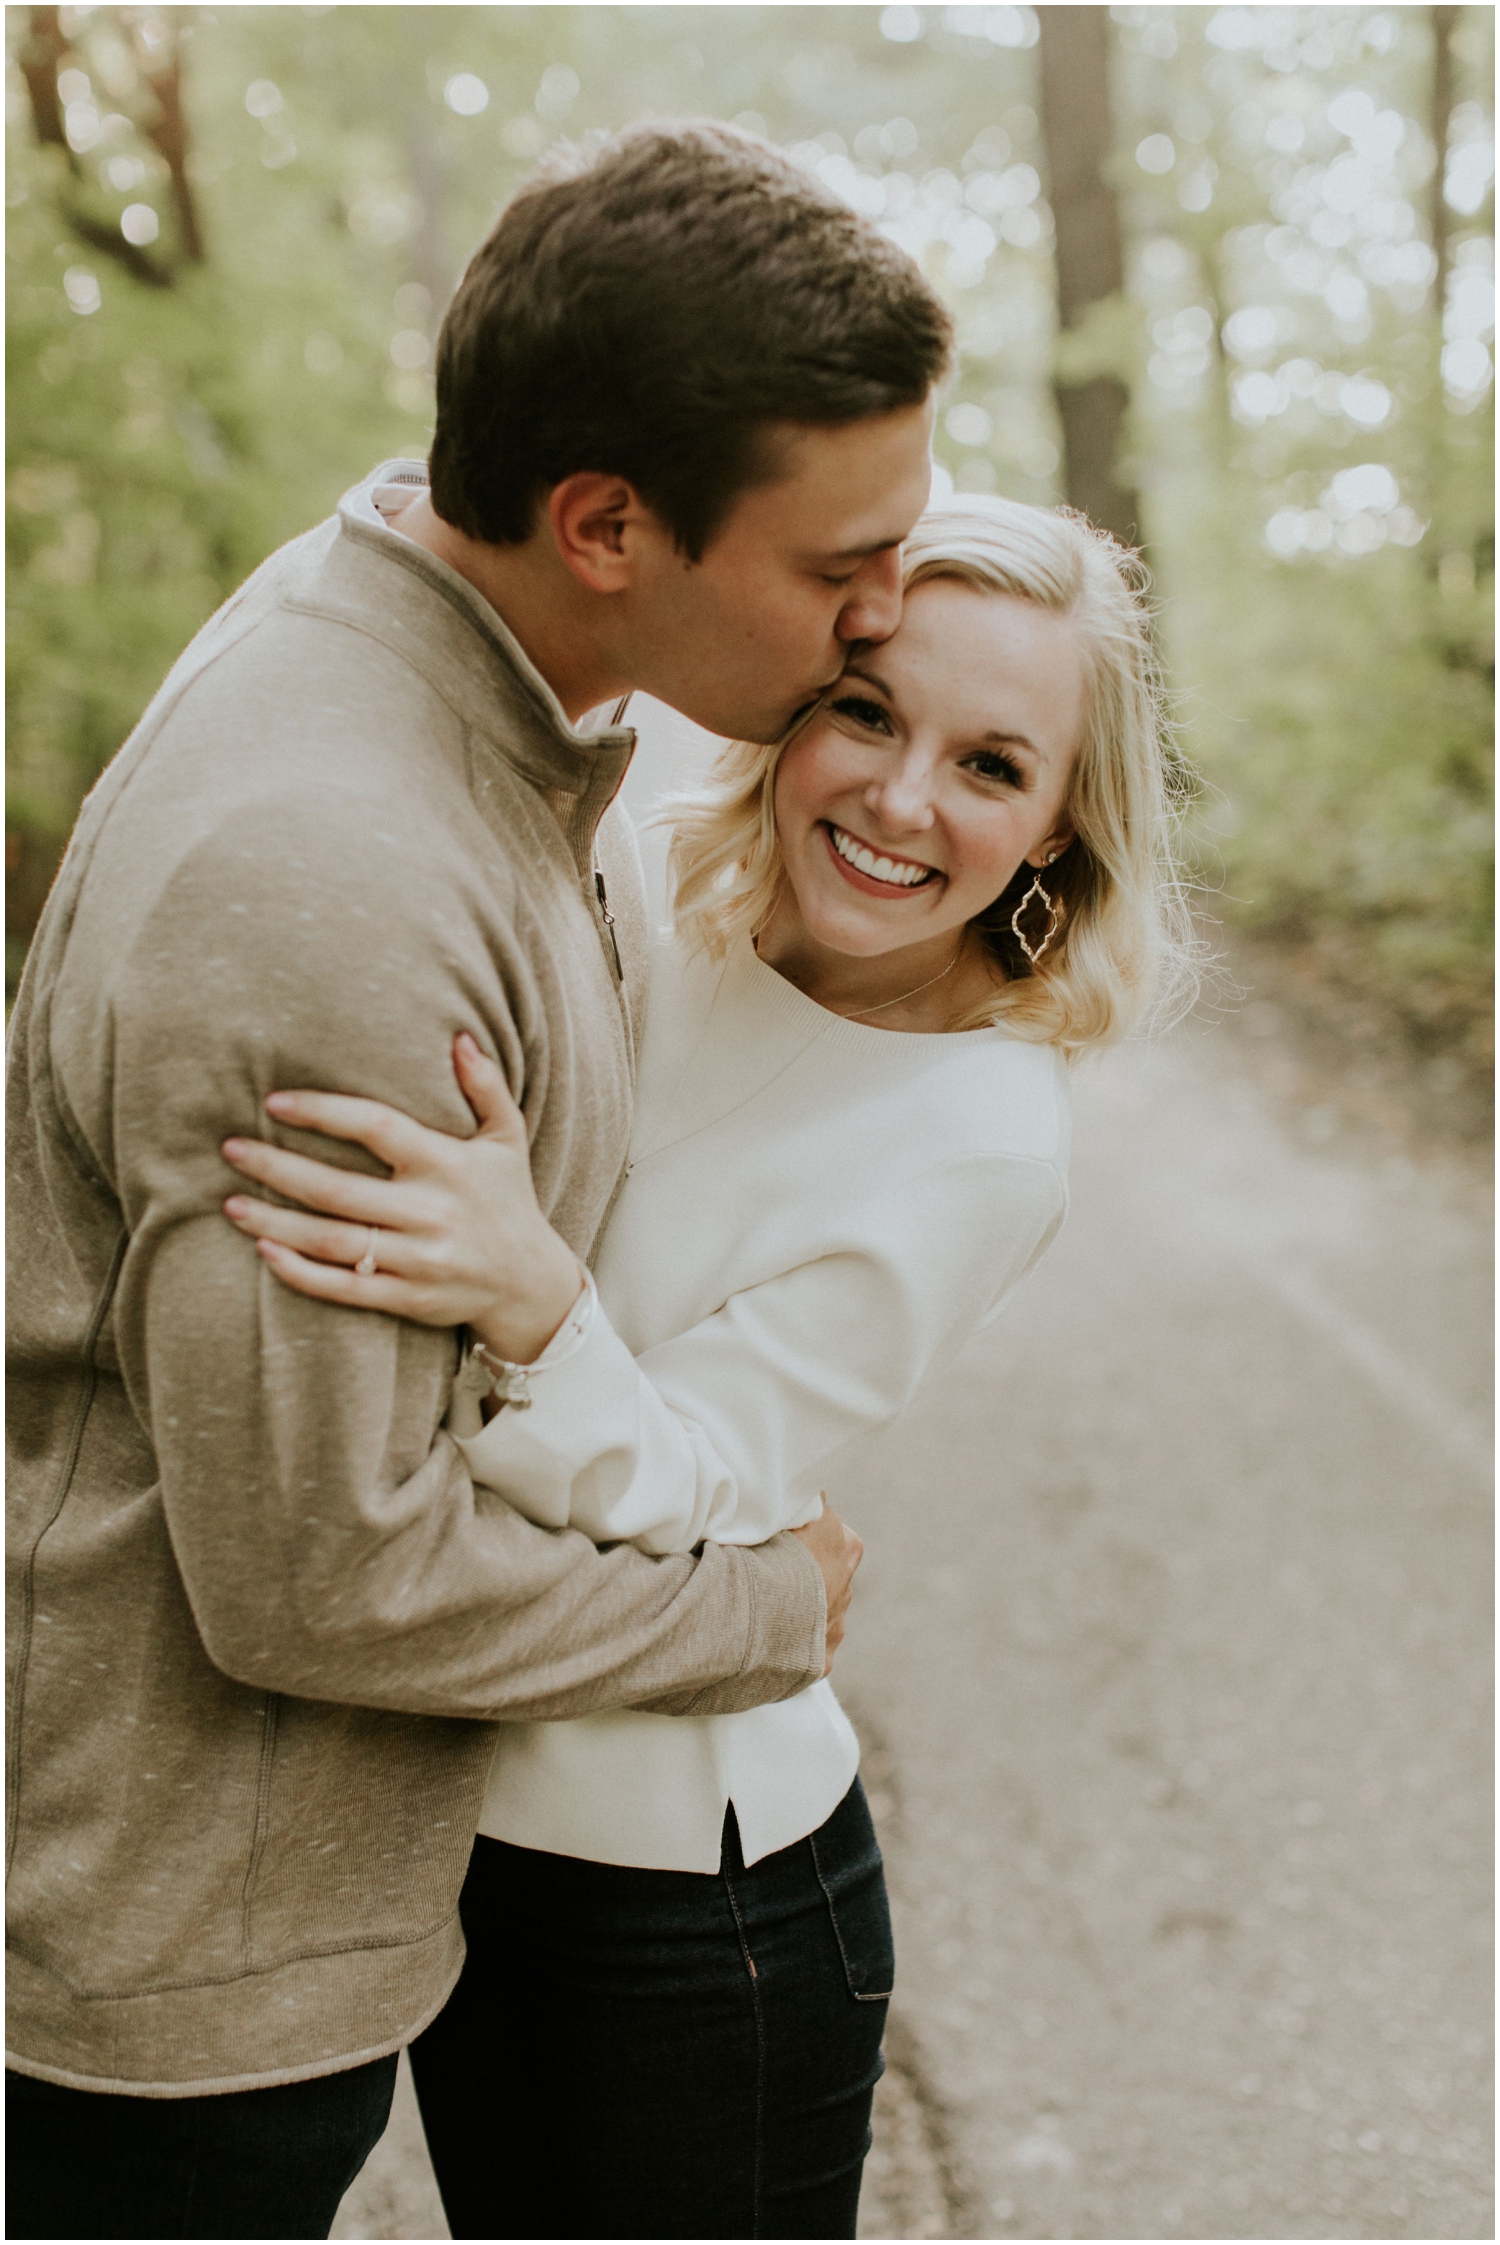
pixel 842 919
pixel 856 939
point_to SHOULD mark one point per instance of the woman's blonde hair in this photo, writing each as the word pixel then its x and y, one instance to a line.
pixel 1125 946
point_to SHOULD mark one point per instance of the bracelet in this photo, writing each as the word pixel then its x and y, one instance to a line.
pixel 482 1372
pixel 511 1382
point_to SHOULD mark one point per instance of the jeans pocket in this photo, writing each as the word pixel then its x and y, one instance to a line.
pixel 852 1876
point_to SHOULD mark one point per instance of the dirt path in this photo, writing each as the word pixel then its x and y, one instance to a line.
pixel 1172 1647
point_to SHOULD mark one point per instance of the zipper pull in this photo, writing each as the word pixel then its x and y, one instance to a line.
pixel 609 921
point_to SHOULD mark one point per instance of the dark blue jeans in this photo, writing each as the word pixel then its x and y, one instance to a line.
pixel 662 2053
pixel 252 2163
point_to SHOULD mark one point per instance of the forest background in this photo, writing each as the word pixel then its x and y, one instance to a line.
pixel 1224 277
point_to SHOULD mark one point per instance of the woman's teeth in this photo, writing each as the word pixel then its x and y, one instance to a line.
pixel 900 872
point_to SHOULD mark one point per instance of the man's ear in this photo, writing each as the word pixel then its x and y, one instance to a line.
pixel 594 521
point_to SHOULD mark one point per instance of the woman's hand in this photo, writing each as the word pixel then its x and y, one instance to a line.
pixel 454 1235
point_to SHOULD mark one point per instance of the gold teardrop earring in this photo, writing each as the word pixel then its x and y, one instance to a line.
pixel 1054 916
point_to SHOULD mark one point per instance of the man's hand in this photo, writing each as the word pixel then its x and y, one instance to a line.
pixel 838 1551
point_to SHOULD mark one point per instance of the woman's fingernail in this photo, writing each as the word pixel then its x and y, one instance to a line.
pixel 281 1103
pixel 233 1149
pixel 467 1046
pixel 236 1207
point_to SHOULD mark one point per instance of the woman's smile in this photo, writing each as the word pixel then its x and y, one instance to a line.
pixel 873 871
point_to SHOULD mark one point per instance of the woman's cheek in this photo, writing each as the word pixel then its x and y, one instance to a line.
pixel 798 795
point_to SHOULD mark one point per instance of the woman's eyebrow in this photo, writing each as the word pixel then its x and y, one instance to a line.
pixel 870 677
pixel 873 678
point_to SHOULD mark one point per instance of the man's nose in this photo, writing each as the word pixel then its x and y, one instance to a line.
pixel 873 608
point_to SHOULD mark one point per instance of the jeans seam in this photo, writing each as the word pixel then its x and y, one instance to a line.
pixel 882 1995
pixel 760 2051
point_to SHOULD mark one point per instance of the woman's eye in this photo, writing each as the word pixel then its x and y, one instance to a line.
pixel 872 715
pixel 991 766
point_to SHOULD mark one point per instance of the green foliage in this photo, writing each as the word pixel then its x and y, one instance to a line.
pixel 163 444
pixel 1336 700
pixel 1346 742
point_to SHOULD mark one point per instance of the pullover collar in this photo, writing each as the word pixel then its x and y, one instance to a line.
pixel 465 649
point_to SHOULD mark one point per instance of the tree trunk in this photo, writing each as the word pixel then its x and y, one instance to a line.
pixel 169 131
pixel 1090 255
pixel 166 128
pixel 42 54
pixel 1444 22
pixel 429 177
pixel 40 57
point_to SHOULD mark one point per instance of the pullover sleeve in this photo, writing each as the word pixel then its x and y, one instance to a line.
pixel 328 1533
pixel 723 1431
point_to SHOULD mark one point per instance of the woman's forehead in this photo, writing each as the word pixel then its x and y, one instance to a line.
pixel 960 648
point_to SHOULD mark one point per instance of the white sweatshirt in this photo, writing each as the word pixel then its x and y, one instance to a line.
pixel 815 1212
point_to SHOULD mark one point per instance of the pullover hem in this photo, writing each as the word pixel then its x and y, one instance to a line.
pixel 333 1998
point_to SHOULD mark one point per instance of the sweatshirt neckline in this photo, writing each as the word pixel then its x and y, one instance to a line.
pixel 362 520
pixel 788 1003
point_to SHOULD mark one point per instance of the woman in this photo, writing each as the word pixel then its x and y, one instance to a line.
pixel 877 943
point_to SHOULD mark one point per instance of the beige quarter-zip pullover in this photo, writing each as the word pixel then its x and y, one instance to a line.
pixel 261 1618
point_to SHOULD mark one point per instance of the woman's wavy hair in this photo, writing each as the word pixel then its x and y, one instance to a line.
pixel 1125 950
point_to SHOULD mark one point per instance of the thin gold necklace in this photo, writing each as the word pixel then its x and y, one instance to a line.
pixel 854 1012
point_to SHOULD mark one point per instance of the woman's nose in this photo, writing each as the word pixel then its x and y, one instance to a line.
pixel 902 798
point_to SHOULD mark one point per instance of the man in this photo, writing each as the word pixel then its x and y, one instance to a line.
pixel 262 1620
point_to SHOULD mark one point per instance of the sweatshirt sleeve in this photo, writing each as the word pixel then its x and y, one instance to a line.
pixel 724 1431
pixel 328 1533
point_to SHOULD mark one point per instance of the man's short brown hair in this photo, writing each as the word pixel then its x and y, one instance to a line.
pixel 646 307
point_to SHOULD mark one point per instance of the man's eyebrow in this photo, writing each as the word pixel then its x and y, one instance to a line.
pixel 863 553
